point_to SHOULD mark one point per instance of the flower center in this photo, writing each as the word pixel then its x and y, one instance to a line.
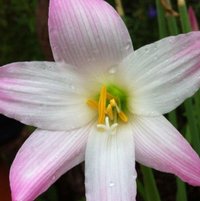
pixel 110 104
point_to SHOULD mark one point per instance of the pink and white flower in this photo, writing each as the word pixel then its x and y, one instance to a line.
pixel 100 102
pixel 193 19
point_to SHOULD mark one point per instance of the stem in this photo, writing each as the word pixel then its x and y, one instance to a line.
pixel 141 190
pixel 172 22
pixel 181 194
pixel 185 23
pixel 162 25
pixel 192 124
pixel 190 113
pixel 119 7
pixel 151 190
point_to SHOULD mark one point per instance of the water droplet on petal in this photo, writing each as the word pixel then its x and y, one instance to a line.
pixel 171 40
pixel 113 69
pixel 152 113
pixel 111 184
pixel 128 46
pixel 72 87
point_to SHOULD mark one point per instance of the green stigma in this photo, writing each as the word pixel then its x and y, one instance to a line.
pixel 120 95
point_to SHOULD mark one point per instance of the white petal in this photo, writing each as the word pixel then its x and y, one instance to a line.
pixel 110 166
pixel 161 146
pixel 86 32
pixel 43 158
pixel 44 95
pixel 162 75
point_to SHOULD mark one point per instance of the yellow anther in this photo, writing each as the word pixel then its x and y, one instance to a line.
pixel 109 96
pixel 93 104
pixel 123 117
pixel 121 114
pixel 109 112
pixel 108 109
pixel 113 102
pixel 102 105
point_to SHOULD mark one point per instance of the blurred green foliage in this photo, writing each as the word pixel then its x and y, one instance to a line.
pixel 18 39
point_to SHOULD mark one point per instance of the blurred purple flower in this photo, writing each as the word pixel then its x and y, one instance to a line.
pixel 152 13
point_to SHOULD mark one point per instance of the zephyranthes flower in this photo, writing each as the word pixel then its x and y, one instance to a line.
pixel 193 19
pixel 100 102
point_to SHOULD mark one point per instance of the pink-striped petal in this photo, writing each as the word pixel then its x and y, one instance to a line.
pixel 159 145
pixel 163 74
pixel 86 32
pixel 109 166
pixel 43 158
pixel 44 95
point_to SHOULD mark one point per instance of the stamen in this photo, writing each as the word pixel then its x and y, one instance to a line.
pixel 93 104
pixel 123 117
pixel 117 108
pixel 102 105
pixel 113 102
pixel 109 112
pixel 110 96
pixel 109 109
pixel 106 127
pixel 121 114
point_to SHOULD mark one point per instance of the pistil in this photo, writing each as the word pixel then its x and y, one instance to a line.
pixel 109 109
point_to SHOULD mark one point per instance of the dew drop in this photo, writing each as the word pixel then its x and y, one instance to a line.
pixel 113 69
pixel 152 113
pixel 177 99
pixel 128 46
pixel 111 184
pixel 171 40
pixel 72 87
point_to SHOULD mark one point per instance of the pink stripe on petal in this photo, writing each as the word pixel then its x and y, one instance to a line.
pixel 43 158
pixel 189 48
pixel 159 145
pixel 86 32
pixel 46 95
pixel 163 74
